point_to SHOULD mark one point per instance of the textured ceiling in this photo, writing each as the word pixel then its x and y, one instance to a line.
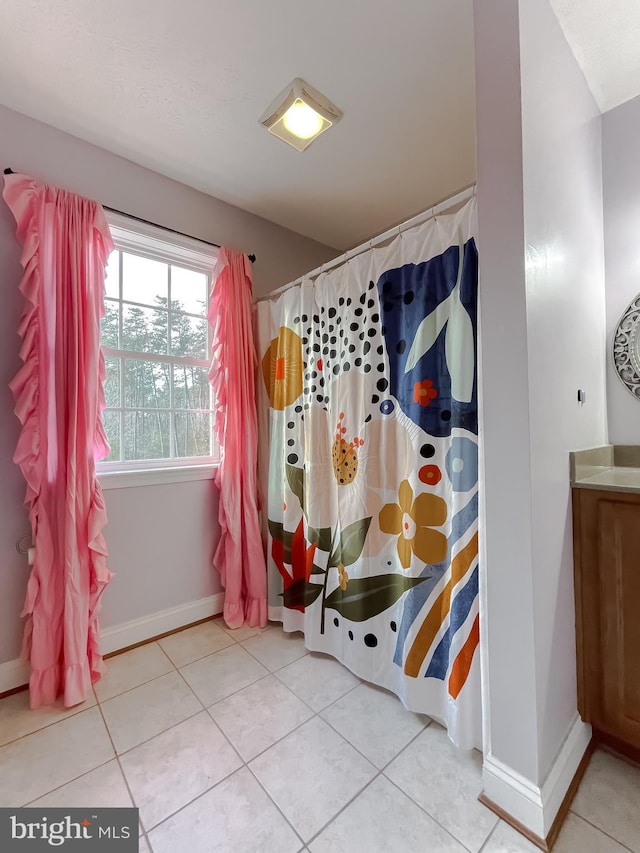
pixel 605 38
pixel 179 87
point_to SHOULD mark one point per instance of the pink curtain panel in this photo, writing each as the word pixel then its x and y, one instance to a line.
pixel 59 399
pixel 239 556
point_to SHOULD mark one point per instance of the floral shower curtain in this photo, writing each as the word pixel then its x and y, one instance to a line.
pixel 370 381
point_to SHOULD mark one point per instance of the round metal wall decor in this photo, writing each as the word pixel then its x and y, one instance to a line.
pixel 626 348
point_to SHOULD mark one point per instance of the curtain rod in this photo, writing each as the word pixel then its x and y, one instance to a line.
pixel 442 206
pixel 252 258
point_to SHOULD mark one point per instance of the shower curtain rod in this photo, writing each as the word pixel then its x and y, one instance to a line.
pixel 252 258
pixel 441 207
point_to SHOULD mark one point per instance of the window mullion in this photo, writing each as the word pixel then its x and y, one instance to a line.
pixel 120 327
pixel 139 355
pixel 172 432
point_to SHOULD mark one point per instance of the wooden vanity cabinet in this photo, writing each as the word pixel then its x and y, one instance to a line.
pixel 606 527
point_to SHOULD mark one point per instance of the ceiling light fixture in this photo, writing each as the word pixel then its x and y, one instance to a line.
pixel 300 114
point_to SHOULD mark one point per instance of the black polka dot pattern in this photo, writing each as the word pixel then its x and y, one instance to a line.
pixel 342 340
pixel 370 640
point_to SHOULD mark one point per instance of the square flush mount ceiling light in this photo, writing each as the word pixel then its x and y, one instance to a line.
pixel 300 114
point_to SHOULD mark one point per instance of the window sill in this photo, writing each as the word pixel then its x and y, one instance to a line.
pixel 155 476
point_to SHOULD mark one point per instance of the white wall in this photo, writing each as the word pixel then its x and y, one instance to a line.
pixel 158 564
pixel 562 156
pixel 505 392
pixel 542 299
pixel 621 173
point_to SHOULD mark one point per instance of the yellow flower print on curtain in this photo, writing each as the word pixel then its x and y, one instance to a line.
pixel 411 520
pixel 282 369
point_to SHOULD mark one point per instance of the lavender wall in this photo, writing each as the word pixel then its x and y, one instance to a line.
pixel 621 175
pixel 159 565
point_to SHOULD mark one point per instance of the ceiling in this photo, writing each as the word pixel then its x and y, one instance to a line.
pixel 605 38
pixel 179 87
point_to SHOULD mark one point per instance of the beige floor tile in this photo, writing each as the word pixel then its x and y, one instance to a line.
pixel 144 712
pixel 381 820
pixel 240 634
pixel 446 782
pixel 609 798
pixel 505 839
pixel 195 643
pixel 175 767
pixel 311 774
pixel 17 719
pixel 234 817
pixel 258 716
pixel 375 722
pixel 131 669
pixel 275 649
pixel 217 676
pixel 46 759
pixel 578 836
pixel 318 680
pixel 103 787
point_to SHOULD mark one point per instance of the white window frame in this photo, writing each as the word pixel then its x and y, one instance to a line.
pixel 156 243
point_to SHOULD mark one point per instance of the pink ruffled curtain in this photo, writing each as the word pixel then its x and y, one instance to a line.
pixel 59 399
pixel 239 556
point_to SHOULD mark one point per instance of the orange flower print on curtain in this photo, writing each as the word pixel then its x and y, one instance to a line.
pixel 424 392
pixel 411 521
pixel 282 369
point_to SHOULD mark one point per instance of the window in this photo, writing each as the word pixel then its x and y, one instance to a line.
pixel 155 340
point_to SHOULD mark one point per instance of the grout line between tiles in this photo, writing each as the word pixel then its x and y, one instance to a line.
pixel 344 807
pixel 68 782
pixel 202 793
pixel 488 838
pixel 48 725
pixel 246 764
pixel 272 672
pixel 284 817
pixel 177 669
pixel 435 819
pixel 142 683
pixel 599 829
pixel 124 776
pixel 201 657
pixel 295 729
pixel 413 800
pixel 314 713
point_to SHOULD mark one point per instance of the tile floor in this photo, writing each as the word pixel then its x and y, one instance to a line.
pixel 242 741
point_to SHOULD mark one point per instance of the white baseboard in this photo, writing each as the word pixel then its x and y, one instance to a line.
pixel 15 673
pixel 531 805
pixel 139 630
